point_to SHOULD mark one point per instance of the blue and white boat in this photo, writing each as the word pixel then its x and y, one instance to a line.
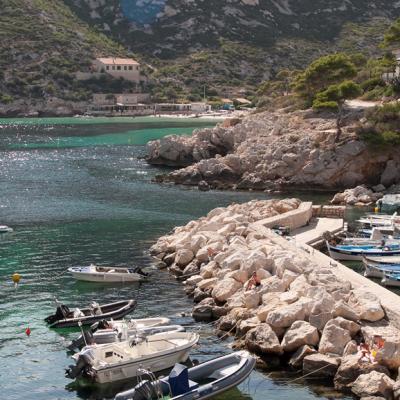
pixel 375 268
pixel 391 279
pixel 350 252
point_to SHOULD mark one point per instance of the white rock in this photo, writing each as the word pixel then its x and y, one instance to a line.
pixel 299 334
pixel 334 338
pixel 373 384
pixel 225 289
pixel 366 304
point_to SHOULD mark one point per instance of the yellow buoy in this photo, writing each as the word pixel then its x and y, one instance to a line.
pixel 16 278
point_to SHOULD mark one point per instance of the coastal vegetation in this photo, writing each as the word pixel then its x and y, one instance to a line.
pixel 42 45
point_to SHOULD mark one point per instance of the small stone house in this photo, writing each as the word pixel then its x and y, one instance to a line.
pixel 126 68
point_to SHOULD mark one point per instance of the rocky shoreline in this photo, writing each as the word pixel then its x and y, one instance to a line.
pixel 274 151
pixel 302 316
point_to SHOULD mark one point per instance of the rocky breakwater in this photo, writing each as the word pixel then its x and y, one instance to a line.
pixel 276 150
pixel 302 316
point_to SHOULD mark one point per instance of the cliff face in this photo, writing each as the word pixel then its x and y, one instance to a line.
pixel 170 27
pixel 274 151
pixel 231 46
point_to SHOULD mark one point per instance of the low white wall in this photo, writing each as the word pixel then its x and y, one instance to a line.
pixel 293 219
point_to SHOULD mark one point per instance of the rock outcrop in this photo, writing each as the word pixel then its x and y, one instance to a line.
pixel 278 150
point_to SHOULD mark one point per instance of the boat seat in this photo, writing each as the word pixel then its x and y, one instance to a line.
pixel 78 313
pixel 222 373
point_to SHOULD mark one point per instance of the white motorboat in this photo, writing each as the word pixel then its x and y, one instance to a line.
pixel 200 382
pixel 95 273
pixel 112 331
pixel 5 229
pixel 123 360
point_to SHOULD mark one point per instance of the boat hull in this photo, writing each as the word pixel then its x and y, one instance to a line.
pixel 131 370
pixel 388 281
pixel 118 313
pixel 197 374
pixel 357 255
pixel 104 278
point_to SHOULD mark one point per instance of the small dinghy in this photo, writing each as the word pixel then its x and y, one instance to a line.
pixel 5 229
pixel 123 360
pixel 357 252
pixel 95 273
pixel 64 317
pixel 203 381
pixel 115 331
pixel 391 279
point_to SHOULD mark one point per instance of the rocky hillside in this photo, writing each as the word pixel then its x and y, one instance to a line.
pixel 42 45
pixel 231 45
pixel 277 150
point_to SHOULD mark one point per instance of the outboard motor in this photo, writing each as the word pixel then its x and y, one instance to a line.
pixel 62 312
pixel 82 366
pixel 142 391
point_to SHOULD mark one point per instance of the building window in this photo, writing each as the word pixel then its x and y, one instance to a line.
pixel 107 67
pixel 130 68
pixel 125 68
pixel 118 68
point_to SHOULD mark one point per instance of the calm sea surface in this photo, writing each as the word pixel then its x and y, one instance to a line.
pixel 76 191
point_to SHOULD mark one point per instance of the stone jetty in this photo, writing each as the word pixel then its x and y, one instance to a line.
pixel 303 316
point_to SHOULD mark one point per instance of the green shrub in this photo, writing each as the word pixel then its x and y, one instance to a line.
pixel 382 126
pixel 6 98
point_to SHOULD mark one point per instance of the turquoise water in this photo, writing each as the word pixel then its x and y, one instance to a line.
pixel 90 198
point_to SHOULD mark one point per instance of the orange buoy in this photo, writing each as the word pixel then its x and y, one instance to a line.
pixel 16 278
pixel 28 331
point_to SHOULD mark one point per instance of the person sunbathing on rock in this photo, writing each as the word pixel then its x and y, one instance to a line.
pixel 253 281
pixel 364 353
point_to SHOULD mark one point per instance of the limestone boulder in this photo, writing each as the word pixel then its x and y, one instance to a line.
pixel 366 304
pixel 263 340
pixel 239 275
pixel 199 295
pixel 299 334
pixel 272 284
pixel 396 389
pixel 288 297
pixel 324 304
pixel 190 269
pixel 251 299
pixel 285 316
pixel 320 320
pixel 183 257
pixel 204 310
pixel 350 326
pixel 296 361
pixel 300 286
pixel 193 280
pixel 350 369
pixel 270 302
pixel 373 384
pixel 321 365
pixel 206 284
pixel 334 338
pixel 225 289
pixel 351 348
pixel 207 271
pixel 342 309
pixel 245 326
